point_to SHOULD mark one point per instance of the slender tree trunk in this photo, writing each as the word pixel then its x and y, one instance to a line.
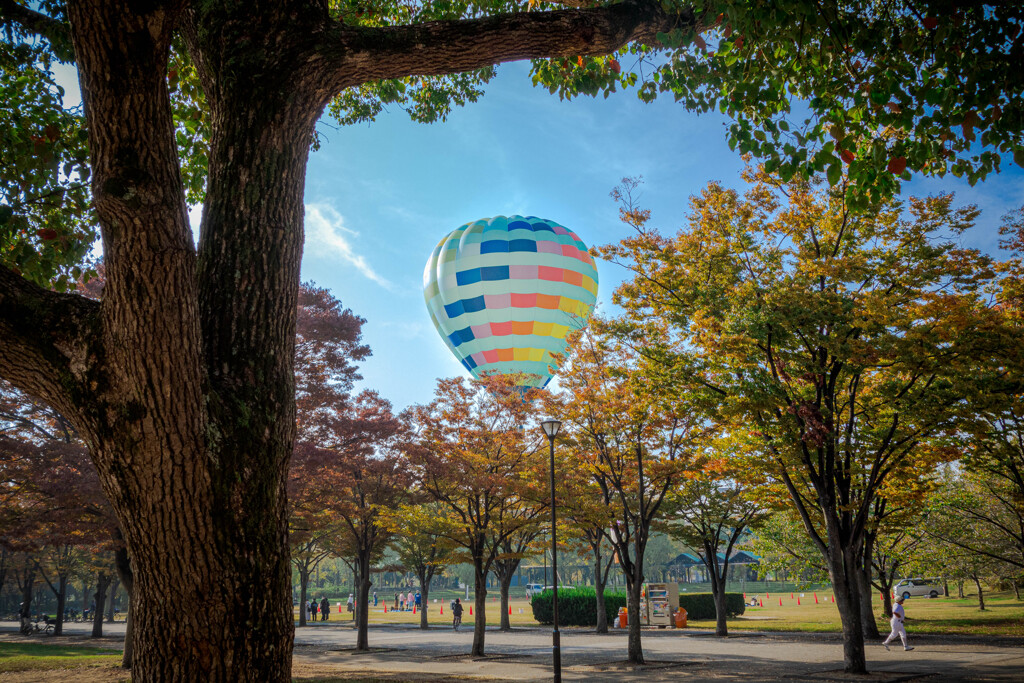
pixel 303 594
pixel 505 583
pixel 100 597
pixel 480 605
pixel 599 583
pixel 425 594
pixel 887 599
pixel 122 563
pixel 960 588
pixel 634 648
pixel 718 592
pixel 27 591
pixel 362 596
pixel 981 593
pixel 62 596
pixel 1016 588
pixel 111 597
pixel 864 591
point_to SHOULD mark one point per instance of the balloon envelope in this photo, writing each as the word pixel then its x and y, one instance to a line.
pixel 503 293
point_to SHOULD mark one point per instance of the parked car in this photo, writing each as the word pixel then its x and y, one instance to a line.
pixel 533 589
pixel 919 587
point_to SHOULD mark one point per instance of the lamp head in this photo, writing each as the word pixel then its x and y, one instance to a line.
pixel 551 427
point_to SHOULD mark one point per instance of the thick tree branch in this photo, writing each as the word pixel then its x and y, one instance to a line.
pixel 48 341
pixel 358 55
pixel 21 17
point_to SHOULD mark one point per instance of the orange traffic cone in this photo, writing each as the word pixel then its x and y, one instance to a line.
pixel 798 601
pixel 881 597
pixel 767 596
pixel 385 609
pixel 471 610
pixel 760 603
pixel 833 598
pixel 791 596
pixel 442 609
pixel 510 610
pixel 780 602
pixel 815 598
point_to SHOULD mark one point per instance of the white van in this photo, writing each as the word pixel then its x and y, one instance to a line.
pixel 533 589
pixel 918 587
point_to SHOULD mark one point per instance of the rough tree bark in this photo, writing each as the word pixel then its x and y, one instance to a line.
pixel 181 378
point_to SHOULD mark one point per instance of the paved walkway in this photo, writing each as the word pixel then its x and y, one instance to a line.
pixel 525 655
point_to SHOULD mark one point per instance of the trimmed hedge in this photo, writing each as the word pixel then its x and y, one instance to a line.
pixel 702 605
pixel 576 606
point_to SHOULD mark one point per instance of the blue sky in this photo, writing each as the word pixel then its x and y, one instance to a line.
pixel 380 196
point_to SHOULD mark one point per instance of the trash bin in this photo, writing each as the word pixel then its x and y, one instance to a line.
pixel 623 617
pixel 681 618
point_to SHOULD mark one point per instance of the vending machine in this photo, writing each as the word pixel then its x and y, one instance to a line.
pixel 660 604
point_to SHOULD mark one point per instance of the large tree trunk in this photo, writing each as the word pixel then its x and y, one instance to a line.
pixel 981 593
pixel 100 599
pixel 480 606
pixel 841 570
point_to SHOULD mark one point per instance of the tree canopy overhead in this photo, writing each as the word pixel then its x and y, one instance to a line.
pixel 180 379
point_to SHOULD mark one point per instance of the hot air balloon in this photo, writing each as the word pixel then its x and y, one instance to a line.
pixel 504 292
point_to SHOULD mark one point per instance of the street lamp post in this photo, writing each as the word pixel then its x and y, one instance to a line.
pixel 551 428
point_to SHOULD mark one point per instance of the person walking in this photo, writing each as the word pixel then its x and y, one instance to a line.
pixel 897 626
pixel 311 608
pixel 374 598
pixel 325 609
pixel 457 614
pixel 351 606
pixel 408 602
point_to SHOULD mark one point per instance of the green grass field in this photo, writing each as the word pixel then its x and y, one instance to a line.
pixel 43 657
pixel 1004 615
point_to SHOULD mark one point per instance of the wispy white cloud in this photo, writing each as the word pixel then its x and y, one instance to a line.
pixel 326 234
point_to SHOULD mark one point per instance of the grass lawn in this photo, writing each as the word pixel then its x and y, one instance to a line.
pixel 1003 615
pixel 43 657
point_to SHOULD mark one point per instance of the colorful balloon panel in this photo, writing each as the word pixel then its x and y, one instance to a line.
pixel 504 292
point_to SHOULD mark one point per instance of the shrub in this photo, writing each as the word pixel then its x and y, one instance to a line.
pixel 576 606
pixel 702 605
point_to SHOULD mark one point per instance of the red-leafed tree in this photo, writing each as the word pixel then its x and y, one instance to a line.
pixel 473 456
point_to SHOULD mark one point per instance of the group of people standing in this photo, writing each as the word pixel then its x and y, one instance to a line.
pixel 406 603
pixel 323 607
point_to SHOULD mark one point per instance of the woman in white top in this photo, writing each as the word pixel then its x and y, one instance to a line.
pixel 897 625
